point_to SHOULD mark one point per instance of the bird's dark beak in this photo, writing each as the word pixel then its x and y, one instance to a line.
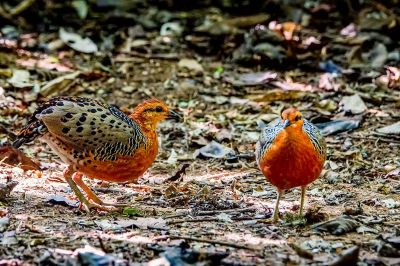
pixel 286 123
pixel 174 115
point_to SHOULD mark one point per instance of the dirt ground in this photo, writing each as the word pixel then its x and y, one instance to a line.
pixel 216 212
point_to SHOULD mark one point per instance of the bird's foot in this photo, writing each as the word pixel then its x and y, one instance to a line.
pixel 96 200
pixel 271 220
pixel 88 206
pixel 117 205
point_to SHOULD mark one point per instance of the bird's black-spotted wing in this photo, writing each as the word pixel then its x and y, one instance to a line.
pixel 35 127
pixel 316 137
pixel 88 125
pixel 267 137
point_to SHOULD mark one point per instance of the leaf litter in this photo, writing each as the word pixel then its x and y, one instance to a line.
pixel 224 73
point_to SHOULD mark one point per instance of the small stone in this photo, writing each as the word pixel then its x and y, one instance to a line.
pixel 128 89
pixel 353 104
pixel 191 65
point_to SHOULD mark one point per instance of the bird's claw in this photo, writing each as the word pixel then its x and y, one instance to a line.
pixel 87 207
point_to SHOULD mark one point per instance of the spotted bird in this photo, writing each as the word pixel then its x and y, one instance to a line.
pixel 97 140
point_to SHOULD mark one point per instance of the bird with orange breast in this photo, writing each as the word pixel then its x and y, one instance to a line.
pixel 291 153
pixel 97 140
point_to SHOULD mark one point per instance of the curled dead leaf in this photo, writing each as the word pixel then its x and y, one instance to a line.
pixel 14 157
pixel 5 189
pixel 338 226
pixel 391 129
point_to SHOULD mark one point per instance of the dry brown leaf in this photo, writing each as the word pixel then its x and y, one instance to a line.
pixel 15 157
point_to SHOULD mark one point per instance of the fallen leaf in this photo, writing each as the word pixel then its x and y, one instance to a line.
pixel 338 226
pixel 395 172
pixel 9 238
pixel 377 56
pixel 277 95
pixel 364 229
pixel 59 84
pixel 181 257
pixel 271 51
pixel 337 126
pixel 285 29
pixel 371 18
pixel 191 65
pixel 173 158
pixel 224 218
pixel 63 201
pixel 394 240
pixel 349 31
pixel 353 104
pixel 347 257
pixel 327 82
pixel 391 203
pixel 292 86
pixel 149 223
pixel 4 222
pixel 393 77
pixel 330 67
pixel 391 129
pixel 223 134
pixel 5 189
pixel 76 42
pixel 250 79
pixel 81 8
pixel 171 29
pixel 14 157
pixel 132 211
pixel 213 150
pixel 89 255
pixel 387 250
pixel 20 79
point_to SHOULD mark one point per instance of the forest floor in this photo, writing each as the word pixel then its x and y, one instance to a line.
pixel 215 210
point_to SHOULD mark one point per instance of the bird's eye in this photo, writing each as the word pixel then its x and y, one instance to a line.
pixel 159 109
pixel 297 118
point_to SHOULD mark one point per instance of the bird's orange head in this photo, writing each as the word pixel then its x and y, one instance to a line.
pixel 151 112
pixel 292 116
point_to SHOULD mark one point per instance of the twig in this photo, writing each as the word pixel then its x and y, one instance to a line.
pixel 21 7
pixel 301 251
pixel 395 142
pixel 217 242
pixel 212 219
pixel 102 246
pixel 203 213
pixel 15 11
pixel 229 174
pixel 178 174
pixel 169 56
pixel 347 257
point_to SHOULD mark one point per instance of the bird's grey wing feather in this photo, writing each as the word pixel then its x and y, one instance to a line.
pixel 267 137
pixel 103 130
pixel 315 136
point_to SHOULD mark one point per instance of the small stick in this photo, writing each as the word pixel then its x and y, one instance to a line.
pixel 217 242
pixel 203 213
pixel 211 219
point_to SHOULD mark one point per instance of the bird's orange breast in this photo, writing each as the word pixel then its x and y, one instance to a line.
pixel 121 170
pixel 292 160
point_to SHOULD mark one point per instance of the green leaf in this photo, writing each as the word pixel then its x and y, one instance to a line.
pixel 132 211
pixel 81 8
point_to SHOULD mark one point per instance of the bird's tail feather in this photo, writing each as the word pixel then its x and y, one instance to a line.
pixel 29 133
